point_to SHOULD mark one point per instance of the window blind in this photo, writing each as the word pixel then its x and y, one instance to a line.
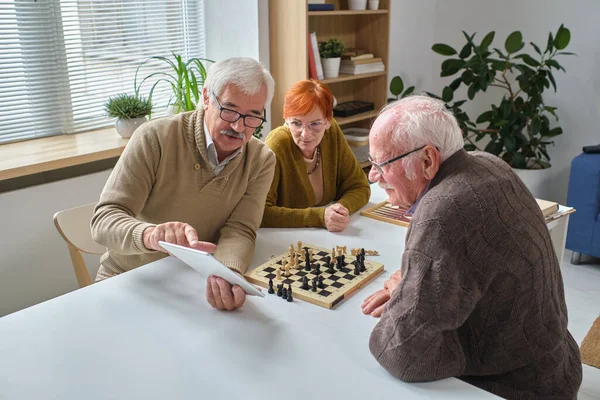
pixel 62 59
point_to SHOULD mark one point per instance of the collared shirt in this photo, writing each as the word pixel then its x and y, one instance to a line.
pixel 413 208
pixel 211 152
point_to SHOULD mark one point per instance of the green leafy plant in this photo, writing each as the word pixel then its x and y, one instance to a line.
pixel 518 127
pixel 186 79
pixel 397 86
pixel 258 132
pixel 332 48
pixel 127 106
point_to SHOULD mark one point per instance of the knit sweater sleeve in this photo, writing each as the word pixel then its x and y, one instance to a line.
pixel 235 246
pixel 353 190
pixel 416 339
pixel 114 224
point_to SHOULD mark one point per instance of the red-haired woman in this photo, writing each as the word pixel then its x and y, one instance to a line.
pixel 318 181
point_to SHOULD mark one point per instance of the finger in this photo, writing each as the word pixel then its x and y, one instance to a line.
pixel 191 235
pixel 210 297
pixel 205 246
pixel 239 296
pixel 170 236
pixel 378 300
pixel 180 237
pixel 155 237
pixel 226 294
pixel 371 296
pixel 216 293
pixel 379 310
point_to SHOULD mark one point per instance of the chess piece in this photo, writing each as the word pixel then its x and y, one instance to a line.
pixel 307 263
pixel 271 291
pixel 289 293
pixel 330 268
pixel 344 248
pixel 299 246
pixel 291 250
pixel 320 282
pixel 363 268
pixel 287 270
pixel 356 267
pixel 310 255
pixel 304 285
pixel 278 274
pixel 279 290
pixel 284 293
pixel 314 284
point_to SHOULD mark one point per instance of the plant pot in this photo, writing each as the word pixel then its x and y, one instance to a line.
pixel 357 4
pixel 331 67
pixel 125 126
pixel 373 4
pixel 538 181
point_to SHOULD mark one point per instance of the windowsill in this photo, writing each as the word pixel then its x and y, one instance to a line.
pixel 36 156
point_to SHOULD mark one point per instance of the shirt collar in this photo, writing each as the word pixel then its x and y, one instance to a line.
pixel 211 150
pixel 413 208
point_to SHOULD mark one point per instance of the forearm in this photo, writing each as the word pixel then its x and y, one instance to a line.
pixel 113 227
pixel 284 217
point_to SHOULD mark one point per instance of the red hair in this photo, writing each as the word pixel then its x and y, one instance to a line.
pixel 304 96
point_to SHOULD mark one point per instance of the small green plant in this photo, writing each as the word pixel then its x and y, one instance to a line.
pixel 186 79
pixel 127 106
pixel 397 86
pixel 332 48
pixel 258 132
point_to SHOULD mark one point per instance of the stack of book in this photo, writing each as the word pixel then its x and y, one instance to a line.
pixel 357 61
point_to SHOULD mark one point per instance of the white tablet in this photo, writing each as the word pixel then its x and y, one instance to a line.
pixel 207 265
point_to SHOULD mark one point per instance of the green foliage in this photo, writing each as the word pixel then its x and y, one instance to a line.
pixel 397 86
pixel 332 48
pixel 127 106
pixel 518 127
pixel 258 132
pixel 186 79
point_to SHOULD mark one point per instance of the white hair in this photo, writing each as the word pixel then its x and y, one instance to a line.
pixel 246 73
pixel 422 120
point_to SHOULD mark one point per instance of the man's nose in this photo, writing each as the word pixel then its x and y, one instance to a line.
pixel 238 125
pixel 374 175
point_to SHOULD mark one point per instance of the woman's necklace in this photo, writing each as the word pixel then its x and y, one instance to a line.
pixel 317 164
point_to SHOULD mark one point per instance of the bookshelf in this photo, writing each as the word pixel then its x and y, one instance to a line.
pixel 289 25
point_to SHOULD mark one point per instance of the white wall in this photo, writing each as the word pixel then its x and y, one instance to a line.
pixel 416 26
pixel 34 260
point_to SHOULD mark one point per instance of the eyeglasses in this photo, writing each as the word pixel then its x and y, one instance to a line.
pixel 297 126
pixel 229 115
pixel 379 167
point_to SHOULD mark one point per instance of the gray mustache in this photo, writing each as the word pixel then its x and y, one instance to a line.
pixel 232 133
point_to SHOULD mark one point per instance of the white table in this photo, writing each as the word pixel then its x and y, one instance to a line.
pixel 149 334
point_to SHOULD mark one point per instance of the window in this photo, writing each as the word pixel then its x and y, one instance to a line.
pixel 62 59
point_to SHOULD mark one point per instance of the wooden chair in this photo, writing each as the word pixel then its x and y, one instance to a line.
pixel 74 227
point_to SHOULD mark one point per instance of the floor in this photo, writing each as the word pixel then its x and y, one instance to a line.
pixel 582 291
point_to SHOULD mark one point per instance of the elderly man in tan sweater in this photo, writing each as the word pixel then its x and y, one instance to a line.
pixel 479 295
pixel 193 179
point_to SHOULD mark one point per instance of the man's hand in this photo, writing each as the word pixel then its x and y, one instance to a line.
pixel 336 217
pixel 222 296
pixel 375 303
pixel 176 233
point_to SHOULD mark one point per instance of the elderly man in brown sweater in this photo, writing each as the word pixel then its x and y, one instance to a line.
pixel 479 295
pixel 193 179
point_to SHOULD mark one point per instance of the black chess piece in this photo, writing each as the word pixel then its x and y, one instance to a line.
pixel 339 263
pixel 363 268
pixel 330 268
pixel 343 257
pixel 284 293
pixel 356 267
pixel 320 284
pixel 279 290
pixel 314 284
pixel 304 283
pixel 289 294
pixel 271 291
pixel 317 270
pixel 362 253
pixel 327 259
pixel 306 261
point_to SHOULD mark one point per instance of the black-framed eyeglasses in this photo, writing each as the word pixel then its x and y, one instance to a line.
pixel 379 166
pixel 228 115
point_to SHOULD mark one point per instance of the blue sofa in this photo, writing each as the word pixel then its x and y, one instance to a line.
pixel 583 236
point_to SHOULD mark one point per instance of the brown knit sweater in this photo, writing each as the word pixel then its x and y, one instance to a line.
pixel 481 296
pixel 164 175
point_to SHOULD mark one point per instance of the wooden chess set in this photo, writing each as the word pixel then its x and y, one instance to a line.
pixel 333 274
pixel 386 212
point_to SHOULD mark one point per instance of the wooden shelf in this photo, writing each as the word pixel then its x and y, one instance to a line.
pixel 346 12
pixel 50 153
pixel 365 164
pixel 349 77
pixel 357 117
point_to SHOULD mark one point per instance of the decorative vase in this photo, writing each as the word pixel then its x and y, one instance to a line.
pixel 538 181
pixel 331 67
pixel 357 4
pixel 126 126
pixel 373 4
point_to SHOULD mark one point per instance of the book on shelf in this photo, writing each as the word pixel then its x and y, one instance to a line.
pixel 548 207
pixel 316 1
pixel 321 7
pixel 315 48
pixel 361 68
pixel 312 66
pixel 353 52
pixel 364 56
pixel 361 61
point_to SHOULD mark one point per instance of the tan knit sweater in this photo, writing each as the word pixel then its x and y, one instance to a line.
pixel 481 296
pixel 164 175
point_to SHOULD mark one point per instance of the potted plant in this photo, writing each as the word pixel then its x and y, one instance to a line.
pixel 396 88
pixel 518 127
pixel 331 54
pixel 130 112
pixel 185 78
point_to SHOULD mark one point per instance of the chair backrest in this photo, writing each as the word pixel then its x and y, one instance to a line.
pixel 74 227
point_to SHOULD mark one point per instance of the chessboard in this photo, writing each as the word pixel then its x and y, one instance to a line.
pixel 333 288
pixel 386 212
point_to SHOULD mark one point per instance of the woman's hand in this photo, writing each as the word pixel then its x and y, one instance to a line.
pixel 336 217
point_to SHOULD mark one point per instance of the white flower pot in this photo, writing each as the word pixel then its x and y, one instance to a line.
pixel 331 67
pixel 357 4
pixel 126 127
pixel 538 181
pixel 373 4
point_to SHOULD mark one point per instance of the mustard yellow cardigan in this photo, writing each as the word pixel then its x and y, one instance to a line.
pixel 291 197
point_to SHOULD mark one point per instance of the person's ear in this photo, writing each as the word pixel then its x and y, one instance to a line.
pixel 205 98
pixel 430 162
pixel 328 124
